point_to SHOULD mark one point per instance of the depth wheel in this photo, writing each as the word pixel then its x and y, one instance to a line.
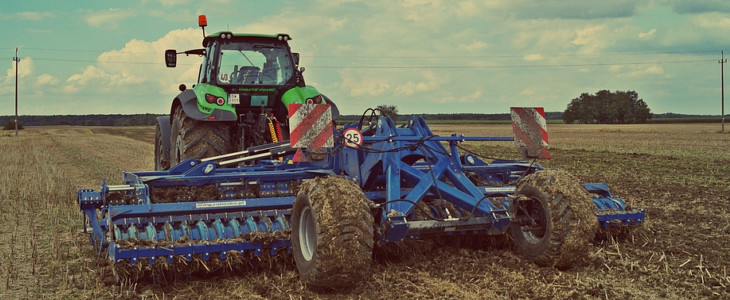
pixel 197 139
pixel 332 232
pixel 554 221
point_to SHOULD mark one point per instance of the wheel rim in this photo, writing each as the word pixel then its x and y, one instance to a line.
pixel 535 234
pixel 307 234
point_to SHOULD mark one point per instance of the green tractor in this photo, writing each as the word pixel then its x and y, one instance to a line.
pixel 245 85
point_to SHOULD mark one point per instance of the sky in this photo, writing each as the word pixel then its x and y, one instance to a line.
pixel 423 56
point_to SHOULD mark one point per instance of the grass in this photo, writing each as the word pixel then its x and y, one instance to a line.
pixel 679 172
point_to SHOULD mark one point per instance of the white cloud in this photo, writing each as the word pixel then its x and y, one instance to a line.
pixel 468 8
pixel 174 2
pixel 527 92
pixel 361 82
pixel 46 79
pixel 591 39
pixel 651 70
pixel 430 82
pixel 477 95
pixel 712 21
pixel 474 46
pixel 34 15
pixel 336 23
pixel 647 35
pixel 423 10
pixel 138 70
pixel 107 19
pixel 26 66
pixel 96 78
pixel 533 57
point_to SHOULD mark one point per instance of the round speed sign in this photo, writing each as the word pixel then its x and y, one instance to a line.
pixel 353 138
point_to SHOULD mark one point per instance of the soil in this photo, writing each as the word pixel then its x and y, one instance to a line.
pixel 679 174
pixel 677 253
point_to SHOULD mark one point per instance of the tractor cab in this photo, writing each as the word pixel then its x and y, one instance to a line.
pixel 254 70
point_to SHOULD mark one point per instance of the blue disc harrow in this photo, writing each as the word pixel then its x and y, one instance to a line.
pixel 238 207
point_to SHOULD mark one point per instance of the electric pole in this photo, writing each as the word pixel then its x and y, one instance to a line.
pixel 722 62
pixel 16 60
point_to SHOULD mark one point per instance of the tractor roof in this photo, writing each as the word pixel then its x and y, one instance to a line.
pixel 227 35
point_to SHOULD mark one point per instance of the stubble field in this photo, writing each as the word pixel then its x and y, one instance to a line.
pixel 679 173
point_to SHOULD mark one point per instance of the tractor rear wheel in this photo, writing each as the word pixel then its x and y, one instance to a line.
pixel 332 232
pixel 197 139
pixel 554 220
pixel 162 160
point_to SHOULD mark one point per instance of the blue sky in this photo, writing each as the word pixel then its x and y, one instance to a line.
pixel 424 56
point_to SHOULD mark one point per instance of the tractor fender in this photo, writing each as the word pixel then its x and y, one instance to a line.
pixel 164 123
pixel 189 102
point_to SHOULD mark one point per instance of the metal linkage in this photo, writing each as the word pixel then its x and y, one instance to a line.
pixel 412 163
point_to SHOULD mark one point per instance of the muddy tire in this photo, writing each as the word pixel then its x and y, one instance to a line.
pixel 162 159
pixel 554 221
pixel 197 139
pixel 332 233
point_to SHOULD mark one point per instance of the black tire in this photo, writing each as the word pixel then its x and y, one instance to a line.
pixel 197 139
pixel 563 220
pixel 162 159
pixel 332 233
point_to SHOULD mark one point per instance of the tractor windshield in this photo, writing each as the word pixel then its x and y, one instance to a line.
pixel 254 64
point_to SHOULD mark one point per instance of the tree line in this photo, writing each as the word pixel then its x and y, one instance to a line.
pixel 84 120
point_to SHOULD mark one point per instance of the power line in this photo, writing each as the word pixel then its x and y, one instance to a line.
pixel 88 51
pixel 512 66
pixel 96 61
pixel 412 67
pixel 510 55
pixel 409 57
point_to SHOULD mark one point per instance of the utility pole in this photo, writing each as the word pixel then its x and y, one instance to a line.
pixel 16 60
pixel 722 63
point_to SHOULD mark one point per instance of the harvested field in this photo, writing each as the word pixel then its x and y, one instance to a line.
pixel 679 173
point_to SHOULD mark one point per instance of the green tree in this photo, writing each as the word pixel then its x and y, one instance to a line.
pixel 606 107
pixel 388 110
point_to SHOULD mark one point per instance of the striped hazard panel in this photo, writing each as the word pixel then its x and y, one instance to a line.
pixel 310 125
pixel 530 130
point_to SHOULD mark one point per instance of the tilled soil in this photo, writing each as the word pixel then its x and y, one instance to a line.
pixel 679 174
pixel 678 253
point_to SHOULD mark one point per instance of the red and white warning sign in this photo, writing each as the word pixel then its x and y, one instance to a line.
pixel 310 126
pixel 530 130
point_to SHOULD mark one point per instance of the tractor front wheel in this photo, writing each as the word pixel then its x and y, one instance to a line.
pixel 197 139
pixel 162 159
pixel 554 219
pixel 332 232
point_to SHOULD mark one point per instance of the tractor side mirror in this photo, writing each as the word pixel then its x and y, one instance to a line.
pixel 296 59
pixel 170 58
